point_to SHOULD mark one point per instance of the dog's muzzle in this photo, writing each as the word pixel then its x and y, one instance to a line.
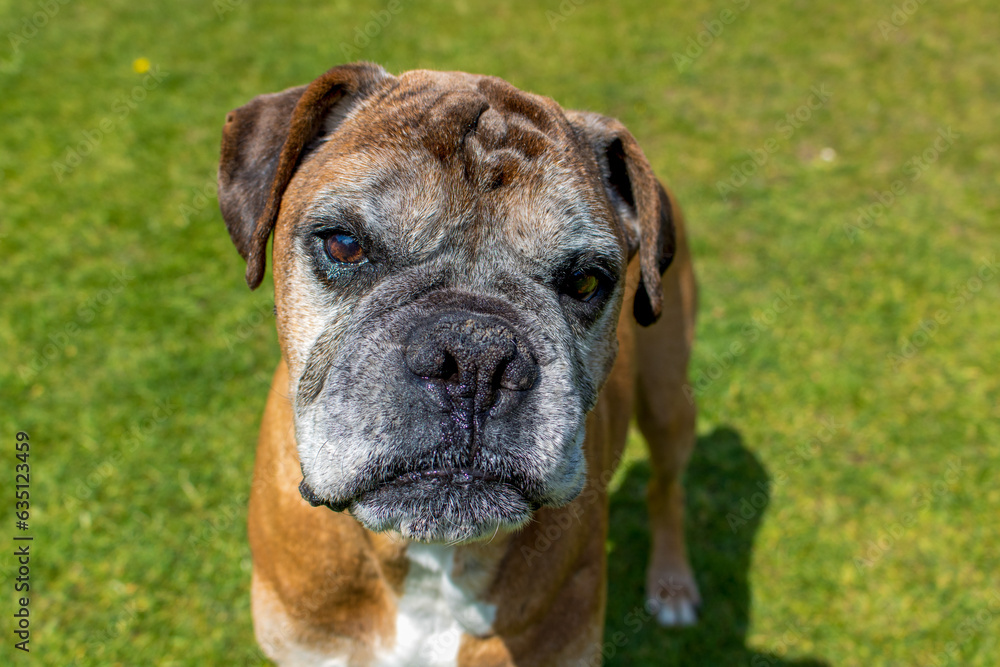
pixel 462 375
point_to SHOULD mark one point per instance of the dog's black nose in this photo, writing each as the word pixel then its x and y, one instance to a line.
pixel 469 358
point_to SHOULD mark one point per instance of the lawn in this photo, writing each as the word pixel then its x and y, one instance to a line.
pixel 840 167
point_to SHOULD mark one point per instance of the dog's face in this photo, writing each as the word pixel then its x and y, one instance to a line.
pixel 449 269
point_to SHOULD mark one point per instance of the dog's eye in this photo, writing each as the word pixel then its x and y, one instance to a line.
pixel 582 285
pixel 344 249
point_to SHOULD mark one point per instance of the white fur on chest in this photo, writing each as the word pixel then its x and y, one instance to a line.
pixel 433 612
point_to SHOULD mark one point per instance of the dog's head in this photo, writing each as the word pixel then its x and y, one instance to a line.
pixel 449 262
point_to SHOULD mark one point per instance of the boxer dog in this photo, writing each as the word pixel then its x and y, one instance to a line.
pixel 458 270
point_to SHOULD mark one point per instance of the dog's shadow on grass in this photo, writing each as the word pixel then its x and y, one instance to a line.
pixel 722 473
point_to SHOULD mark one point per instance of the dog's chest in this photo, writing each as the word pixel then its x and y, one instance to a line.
pixel 434 611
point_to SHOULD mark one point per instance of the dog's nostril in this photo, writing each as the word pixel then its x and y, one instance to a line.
pixel 499 379
pixel 431 361
pixel 449 371
pixel 520 374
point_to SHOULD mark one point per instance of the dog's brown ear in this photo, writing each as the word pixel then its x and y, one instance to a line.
pixel 638 199
pixel 263 142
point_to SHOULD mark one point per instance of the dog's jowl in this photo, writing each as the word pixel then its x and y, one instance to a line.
pixel 475 291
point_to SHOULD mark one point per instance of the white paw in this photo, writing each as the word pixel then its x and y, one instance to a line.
pixel 677 612
pixel 674 600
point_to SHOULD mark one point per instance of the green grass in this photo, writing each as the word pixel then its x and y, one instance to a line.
pixel 137 360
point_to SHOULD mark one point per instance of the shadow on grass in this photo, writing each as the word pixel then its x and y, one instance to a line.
pixel 722 472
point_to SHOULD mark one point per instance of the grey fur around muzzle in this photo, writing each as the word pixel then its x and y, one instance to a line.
pixel 447 419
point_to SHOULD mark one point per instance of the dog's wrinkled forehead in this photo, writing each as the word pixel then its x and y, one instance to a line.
pixel 491 128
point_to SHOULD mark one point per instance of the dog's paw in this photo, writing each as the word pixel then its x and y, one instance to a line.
pixel 673 599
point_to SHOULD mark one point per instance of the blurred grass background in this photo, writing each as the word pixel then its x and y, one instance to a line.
pixel 843 499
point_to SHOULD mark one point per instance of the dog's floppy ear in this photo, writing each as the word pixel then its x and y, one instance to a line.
pixel 639 200
pixel 262 144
